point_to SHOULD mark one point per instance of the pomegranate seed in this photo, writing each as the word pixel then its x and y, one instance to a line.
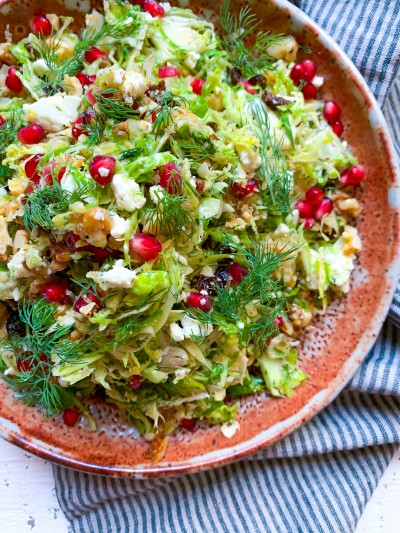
pixel 138 3
pixel 314 196
pixel 145 246
pixel 86 299
pixel 31 168
pixel 199 301
pixel 135 381
pixel 309 91
pixel 54 292
pixel 71 240
pixel 309 70
pixel 279 321
pixel 99 254
pixel 85 118
pixel 353 176
pixel 61 173
pixel 89 96
pixel 2 121
pixel 47 171
pixel 32 134
pixel 12 81
pixel 29 188
pixel 248 87
pixel 338 128
pixel 23 365
pixel 168 72
pixel 85 79
pixel 189 424
pixel 240 191
pixel 94 53
pixel 309 223
pixel 306 210
pixel 170 178
pixel 154 8
pixel 70 417
pixel 153 117
pixel 197 85
pixel 41 24
pixel 297 73
pixel 325 208
pixel 237 272
pixel 102 168
pixel 331 111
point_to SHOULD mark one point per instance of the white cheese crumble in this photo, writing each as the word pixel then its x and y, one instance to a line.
pixel 118 277
pixel 192 327
pixel 229 429
pixel 120 227
pixel 104 172
pixel 134 84
pixel 176 332
pixel 53 113
pixel 127 193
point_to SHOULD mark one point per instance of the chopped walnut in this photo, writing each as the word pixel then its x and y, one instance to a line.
pixel 94 225
pixel 21 240
pixel 299 317
pixel 5 54
pixel 285 49
pixel 5 239
pixel 349 206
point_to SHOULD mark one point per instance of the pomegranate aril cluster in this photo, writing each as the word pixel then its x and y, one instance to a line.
pixel 304 72
pixel 314 206
pixel 332 113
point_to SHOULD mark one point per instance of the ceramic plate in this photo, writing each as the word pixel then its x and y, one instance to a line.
pixel 330 353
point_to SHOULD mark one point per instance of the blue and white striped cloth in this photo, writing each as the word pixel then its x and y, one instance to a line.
pixel 320 477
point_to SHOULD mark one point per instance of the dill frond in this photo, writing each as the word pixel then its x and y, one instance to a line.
pixel 163 112
pixel 131 154
pixel 194 146
pixel 170 216
pixel 276 180
pixel 111 107
pixel 246 45
pixel 8 135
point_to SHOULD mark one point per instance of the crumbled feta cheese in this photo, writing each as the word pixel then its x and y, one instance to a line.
pixel 318 81
pixel 120 227
pixel 176 332
pixel 104 172
pixel 229 429
pixel 127 193
pixel 117 277
pixel 207 271
pixel 134 84
pixel 9 372
pixel 53 113
pixel 68 183
pixel 249 160
pixel 68 319
pixel 192 327
pixel 40 67
pixel 282 230
pixel 156 192
pixel 99 215
pixel 16 264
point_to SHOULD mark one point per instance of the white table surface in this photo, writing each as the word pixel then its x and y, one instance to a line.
pixel 28 503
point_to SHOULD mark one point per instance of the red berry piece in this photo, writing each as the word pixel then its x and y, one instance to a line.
pixel 89 96
pixel 309 223
pixel 41 25
pixel 31 168
pixel 331 111
pixel 353 176
pixel 249 88
pixel 70 417
pixel 237 272
pixel 23 365
pixel 279 321
pixel 170 178
pixel 309 91
pixel 102 168
pixel 242 189
pixel 306 210
pixel 189 424
pixel 85 79
pixel 168 71
pixel 99 255
pixel 338 128
pixel 12 81
pixel 54 292
pixel 145 246
pixel 199 301
pixel 297 73
pixel 94 53
pixel 48 170
pixel 32 134
pixel 314 196
pixel 78 125
pixel 2 121
pixel 86 299
pixel 154 8
pixel 325 208
pixel 135 381
pixel 309 70
pixel 197 85
pixel 71 240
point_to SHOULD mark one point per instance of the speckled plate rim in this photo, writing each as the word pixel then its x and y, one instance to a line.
pixel 11 432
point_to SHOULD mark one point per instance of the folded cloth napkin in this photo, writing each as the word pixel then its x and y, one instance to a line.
pixel 320 477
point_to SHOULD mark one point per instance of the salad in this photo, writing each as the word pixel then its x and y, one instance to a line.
pixel 176 205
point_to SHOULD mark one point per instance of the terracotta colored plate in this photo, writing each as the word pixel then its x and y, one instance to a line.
pixel 331 353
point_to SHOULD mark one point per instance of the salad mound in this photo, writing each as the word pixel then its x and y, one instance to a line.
pixel 176 205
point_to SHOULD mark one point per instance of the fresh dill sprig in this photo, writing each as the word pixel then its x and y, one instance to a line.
pixel 246 45
pixel 44 338
pixel 48 48
pixel 171 216
pixel 132 153
pixel 163 112
pixel 194 146
pixel 94 129
pixel 276 180
pixel 44 204
pixel 8 135
pixel 112 107
pixel 124 331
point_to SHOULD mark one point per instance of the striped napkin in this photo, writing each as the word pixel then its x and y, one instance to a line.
pixel 320 477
